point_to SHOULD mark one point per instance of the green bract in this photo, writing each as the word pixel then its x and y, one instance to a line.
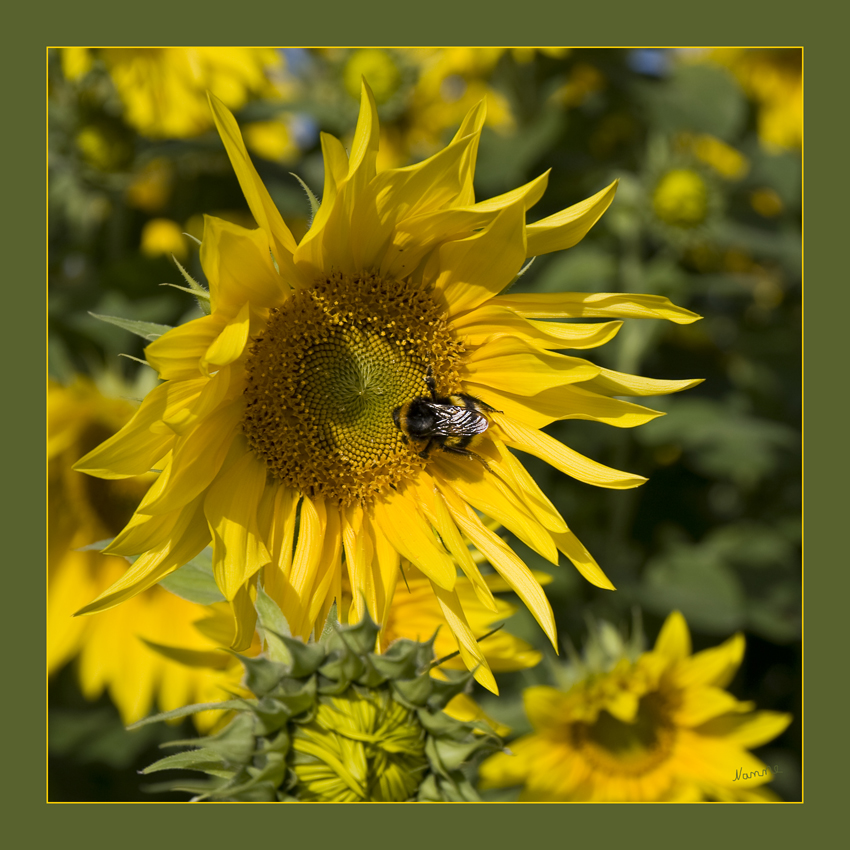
pixel 337 722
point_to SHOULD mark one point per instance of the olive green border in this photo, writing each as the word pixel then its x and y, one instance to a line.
pixel 333 22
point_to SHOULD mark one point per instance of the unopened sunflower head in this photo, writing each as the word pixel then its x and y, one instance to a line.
pixel 286 427
pixel 333 721
pixel 632 726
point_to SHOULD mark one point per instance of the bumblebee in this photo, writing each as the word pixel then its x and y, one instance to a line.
pixel 451 422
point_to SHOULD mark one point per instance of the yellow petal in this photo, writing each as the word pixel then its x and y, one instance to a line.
pixel 308 552
pixel 239 267
pixel 570 401
pixel 327 575
pixel 177 354
pixel 222 387
pixel 358 560
pixel 471 270
pixel 308 255
pixel 674 639
pixel 699 704
pixel 468 646
pixel 612 383
pixel 278 515
pixel 561 457
pixel 197 459
pixel 471 125
pixel 582 560
pixel 231 342
pixel 400 520
pixel 265 213
pixel 715 666
pixel 582 305
pixel 190 536
pixel 529 194
pixel 136 447
pixel 516 366
pixel 747 730
pixel 434 508
pixel 506 562
pixel 544 706
pixel 568 227
pixel 430 185
pixel 486 492
pixel 523 484
pixel 489 321
pixel 386 569
pixel 244 615
pixel 231 507
pixel 366 133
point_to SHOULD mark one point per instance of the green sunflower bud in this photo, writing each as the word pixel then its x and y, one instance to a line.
pixel 334 721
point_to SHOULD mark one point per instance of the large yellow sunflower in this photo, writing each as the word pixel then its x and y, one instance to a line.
pixel 113 650
pixel 274 428
pixel 659 727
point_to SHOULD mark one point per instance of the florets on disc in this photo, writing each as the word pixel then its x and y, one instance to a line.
pixel 324 377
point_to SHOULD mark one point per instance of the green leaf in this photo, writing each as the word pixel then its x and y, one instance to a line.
pixel 271 624
pixel 211 660
pixel 262 675
pixel 205 760
pixel 693 580
pixel 186 710
pixel 701 98
pixel 234 744
pixel 146 330
pixel 314 203
pixel 194 581
pixel 331 622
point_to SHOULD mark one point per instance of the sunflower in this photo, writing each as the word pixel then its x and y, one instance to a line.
pixel 657 726
pixel 274 430
pixel 113 651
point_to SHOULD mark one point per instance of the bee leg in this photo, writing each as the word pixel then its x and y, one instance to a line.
pixel 424 452
pixel 468 453
pixel 431 383
pixel 484 406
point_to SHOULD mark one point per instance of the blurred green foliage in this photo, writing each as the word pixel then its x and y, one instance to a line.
pixel 716 531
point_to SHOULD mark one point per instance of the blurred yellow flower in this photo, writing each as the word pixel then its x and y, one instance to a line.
pixel 150 188
pixel 281 411
pixel 378 67
pixel 109 649
pixel 724 159
pixel 766 202
pixel 164 89
pixel 451 81
pixel 680 198
pixel 773 78
pixel 271 140
pixel 76 62
pixel 583 81
pixel 163 237
pixel 656 727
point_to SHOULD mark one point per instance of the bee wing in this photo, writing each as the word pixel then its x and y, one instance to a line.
pixel 459 421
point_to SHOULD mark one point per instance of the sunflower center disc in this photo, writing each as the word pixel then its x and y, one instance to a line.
pixel 324 378
pixel 627 748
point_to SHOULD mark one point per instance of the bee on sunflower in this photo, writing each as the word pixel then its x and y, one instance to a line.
pixel 274 427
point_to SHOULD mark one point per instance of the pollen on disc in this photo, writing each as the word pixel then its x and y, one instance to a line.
pixel 325 375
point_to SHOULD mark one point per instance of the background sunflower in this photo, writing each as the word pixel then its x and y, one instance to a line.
pixel 715 532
